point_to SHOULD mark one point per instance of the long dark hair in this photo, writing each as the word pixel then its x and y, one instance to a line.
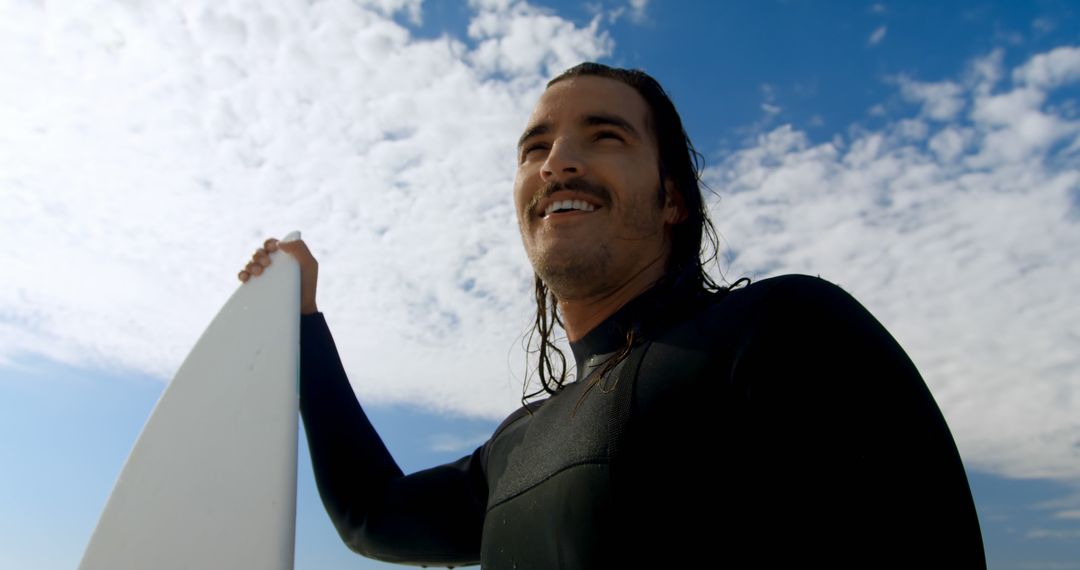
pixel 685 269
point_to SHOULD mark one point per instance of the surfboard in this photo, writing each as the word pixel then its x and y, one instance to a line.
pixel 211 479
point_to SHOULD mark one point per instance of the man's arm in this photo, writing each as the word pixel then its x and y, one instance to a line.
pixel 431 517
pixel 862 463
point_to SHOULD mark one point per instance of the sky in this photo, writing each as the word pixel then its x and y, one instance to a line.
pixel 924 156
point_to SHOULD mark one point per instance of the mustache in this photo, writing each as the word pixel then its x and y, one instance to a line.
pixel 598 191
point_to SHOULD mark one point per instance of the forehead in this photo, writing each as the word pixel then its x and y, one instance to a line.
pixel 571 99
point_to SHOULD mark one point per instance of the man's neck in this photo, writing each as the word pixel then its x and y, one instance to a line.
pixel 579 316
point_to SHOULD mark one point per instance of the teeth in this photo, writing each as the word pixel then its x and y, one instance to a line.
pixel 569 204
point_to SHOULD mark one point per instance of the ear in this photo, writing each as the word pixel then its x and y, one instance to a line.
pixel 673 203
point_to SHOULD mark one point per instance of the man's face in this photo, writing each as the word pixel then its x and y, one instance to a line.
pixel 593 147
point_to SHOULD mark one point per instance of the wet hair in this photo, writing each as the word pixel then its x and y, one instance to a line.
pixel 685 271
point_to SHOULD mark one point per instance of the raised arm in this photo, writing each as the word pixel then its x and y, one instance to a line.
pixel 431 517
pixel 862 463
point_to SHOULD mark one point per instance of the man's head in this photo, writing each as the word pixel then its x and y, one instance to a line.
pixel 589 142
pixel 611 138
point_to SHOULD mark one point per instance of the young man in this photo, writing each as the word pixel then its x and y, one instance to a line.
pixel 777 424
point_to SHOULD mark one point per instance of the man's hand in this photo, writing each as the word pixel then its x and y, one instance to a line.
pixel 309 268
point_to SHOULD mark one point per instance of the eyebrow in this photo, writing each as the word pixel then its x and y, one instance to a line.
pixel 590 120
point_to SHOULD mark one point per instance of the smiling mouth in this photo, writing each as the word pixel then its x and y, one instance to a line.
pixel 568 207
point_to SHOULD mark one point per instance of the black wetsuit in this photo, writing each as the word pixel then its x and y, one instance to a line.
pixel 773 425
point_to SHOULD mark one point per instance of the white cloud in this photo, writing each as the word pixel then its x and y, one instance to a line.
pixel 950 143
pixel 1066 506
pixel 941 101
pixel 390 7
pixel 148 150
pixel 637 10
pixel 1015 126
pixel 1053 533
pixel 985 72
pixel 960 234
pixel 1052 69
pixel 876 36
pixel 516 38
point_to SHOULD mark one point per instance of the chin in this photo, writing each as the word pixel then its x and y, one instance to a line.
pixel 570 276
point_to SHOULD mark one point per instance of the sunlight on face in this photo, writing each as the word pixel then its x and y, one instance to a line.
pixel 588 149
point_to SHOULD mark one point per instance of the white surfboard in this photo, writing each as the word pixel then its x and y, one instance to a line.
pixel 211 480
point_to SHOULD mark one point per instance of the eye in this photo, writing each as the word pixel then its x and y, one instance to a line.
pixel 540 146
pixel 530 148
pixel 608 134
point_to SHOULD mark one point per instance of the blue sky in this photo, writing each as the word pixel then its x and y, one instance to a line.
pixel 925 156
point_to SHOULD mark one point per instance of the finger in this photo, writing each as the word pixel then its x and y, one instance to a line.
pixel 270 244
pixel 261 257
pixel 254 268
pixel 243 276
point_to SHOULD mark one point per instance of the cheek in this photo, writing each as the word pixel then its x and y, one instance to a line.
pixel 522 192
pixel 518 198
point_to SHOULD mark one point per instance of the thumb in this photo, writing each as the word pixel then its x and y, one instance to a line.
pixel 299 250
pixel 290 247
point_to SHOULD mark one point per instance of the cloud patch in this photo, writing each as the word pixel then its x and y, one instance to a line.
pixel 876 36
pixel 148 150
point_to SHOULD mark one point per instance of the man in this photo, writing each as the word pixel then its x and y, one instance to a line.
pixel 772 425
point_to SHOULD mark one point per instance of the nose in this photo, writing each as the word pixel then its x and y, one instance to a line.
pixel 563 161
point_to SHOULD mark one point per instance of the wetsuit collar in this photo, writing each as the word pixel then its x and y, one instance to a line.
pixel 610 335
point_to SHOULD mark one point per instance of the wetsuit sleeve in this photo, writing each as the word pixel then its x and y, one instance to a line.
pixel 863 469
pixel 431 517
